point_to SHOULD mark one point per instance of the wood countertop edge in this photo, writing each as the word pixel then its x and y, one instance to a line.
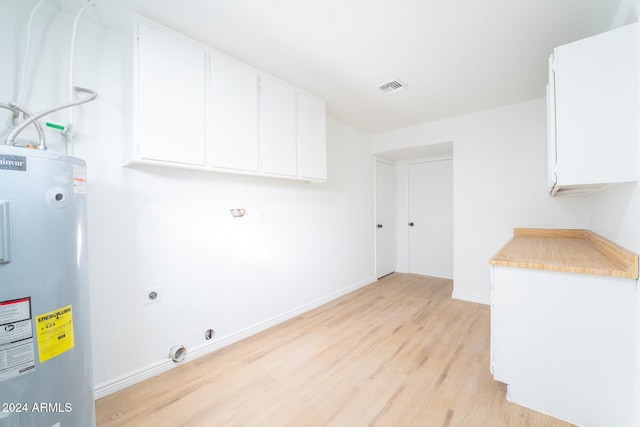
pixel 622 274
pixel 578 233
pixel 625 259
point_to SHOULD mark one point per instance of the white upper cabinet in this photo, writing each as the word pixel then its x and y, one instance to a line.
pixel 311 130
pixel 278 151
pixel 169 97
pixel 196 108
pixel 593 112
pixel 233 118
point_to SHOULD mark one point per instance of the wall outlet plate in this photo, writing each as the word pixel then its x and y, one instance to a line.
pixel 152 295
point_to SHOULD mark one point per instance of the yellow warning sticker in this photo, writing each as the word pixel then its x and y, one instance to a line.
pixel 55 333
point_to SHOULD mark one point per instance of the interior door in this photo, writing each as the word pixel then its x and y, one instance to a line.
pixel 385 218
pixel 431 218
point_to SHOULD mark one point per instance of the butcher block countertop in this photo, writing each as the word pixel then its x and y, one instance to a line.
pixel 566 250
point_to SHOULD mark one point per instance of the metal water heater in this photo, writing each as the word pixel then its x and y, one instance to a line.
pixel 45 340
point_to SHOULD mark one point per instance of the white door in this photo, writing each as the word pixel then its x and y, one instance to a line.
pixel 431 218
pixel 385 218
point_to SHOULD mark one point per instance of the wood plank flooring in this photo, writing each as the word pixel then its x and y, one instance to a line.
pixel 399 352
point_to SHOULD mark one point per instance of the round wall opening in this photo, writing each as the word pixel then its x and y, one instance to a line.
pixel 178 353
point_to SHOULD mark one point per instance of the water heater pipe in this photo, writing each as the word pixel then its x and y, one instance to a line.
pixel 71 55
pixel 16 109
pixel 12 136
pixel 26 53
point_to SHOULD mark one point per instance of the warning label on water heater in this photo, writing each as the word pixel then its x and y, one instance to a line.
pixel 79 179
pixel 16 338
pixel 55 333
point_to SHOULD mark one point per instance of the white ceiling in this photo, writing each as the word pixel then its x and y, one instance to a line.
pixel 456 56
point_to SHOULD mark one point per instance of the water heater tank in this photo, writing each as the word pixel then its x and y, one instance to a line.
pixel 45 340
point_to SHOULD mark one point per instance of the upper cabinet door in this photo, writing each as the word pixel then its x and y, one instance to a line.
pixel 233 119
pixel 170 89
pixel 596 110
pixel 277 128
pixel 312 138
pixel 195 108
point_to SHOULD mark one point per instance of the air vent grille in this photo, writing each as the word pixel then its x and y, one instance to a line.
pixel 392 86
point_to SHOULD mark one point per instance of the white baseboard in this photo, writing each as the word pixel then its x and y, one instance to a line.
pixel 471 298
pixel 122 382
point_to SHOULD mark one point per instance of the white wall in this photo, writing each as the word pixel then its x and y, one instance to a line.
pixel 300 245
pixel 615 213
pixel 499 180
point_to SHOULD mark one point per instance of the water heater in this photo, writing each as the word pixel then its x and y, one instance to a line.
pixel 45 341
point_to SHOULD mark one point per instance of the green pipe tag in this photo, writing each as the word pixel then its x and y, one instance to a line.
pixel 55 126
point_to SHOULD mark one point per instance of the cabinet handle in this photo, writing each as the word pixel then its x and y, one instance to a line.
pixel 379 225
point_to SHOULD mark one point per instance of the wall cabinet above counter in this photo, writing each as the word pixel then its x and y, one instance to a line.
pixel 592 99
pixel 196 108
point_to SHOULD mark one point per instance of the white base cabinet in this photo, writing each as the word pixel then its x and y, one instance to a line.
pixel 565 344
pixel 194 107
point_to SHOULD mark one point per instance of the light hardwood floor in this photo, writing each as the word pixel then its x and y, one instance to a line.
pixel 399 352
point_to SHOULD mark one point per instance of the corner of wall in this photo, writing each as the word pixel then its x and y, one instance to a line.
pixel 626 13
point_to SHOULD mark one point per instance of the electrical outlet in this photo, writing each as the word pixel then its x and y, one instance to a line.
pixel 152 295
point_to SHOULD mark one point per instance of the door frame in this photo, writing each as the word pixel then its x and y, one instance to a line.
pixel 394 225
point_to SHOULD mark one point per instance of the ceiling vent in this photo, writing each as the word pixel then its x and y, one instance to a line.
pixel 392 86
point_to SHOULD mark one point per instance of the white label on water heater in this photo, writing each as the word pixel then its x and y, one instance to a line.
pixel 17 354
pixel 79 179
